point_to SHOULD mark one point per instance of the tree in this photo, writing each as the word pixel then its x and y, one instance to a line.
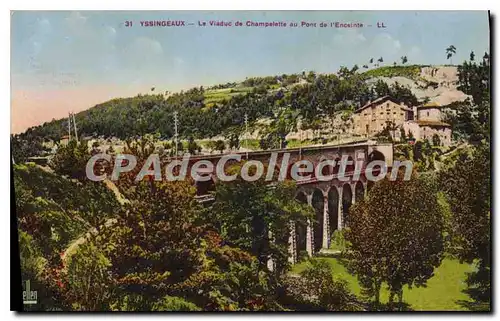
pixel 311 76
pixel 220 146
pixel 159 247
pixel 318 290
pixel 234 141
pixel 86 279
pixel 256 217
pixel 402 134
pixel 472 118
pixel 284 122
pixel 450 51
pixel 381 88
pixel 71 160
pixel 153 244
pixel 211 146
pixel 395 236
pixel 388 133
pixel 141 147
pixel 25 145
pixel 172 303
pixel 467 185
pixel 192 146
pixel 266 143
pixel 404 60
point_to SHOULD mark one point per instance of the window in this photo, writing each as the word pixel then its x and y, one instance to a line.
pixel 387 105
pixel 427 114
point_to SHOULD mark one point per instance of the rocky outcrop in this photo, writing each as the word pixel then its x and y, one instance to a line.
pixel 437 84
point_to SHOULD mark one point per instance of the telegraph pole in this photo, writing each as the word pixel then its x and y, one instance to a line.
pixel 69 127
pixel 246 134
pixel 300 140
pixel 74 126
pixel 176 133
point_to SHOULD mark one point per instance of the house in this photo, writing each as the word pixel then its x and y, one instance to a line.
pixel 64 140
pixel 428 123
pixel 374 116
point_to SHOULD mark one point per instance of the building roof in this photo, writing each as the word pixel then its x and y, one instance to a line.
pixel 379 101
pixel 432 123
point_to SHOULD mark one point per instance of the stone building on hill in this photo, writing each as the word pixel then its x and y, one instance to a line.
pixel 428 123
pixel 424 122
pixel 374 116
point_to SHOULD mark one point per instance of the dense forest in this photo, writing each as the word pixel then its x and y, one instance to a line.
pixel 220 110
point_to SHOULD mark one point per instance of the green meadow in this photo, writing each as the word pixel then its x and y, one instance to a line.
pixel 442 293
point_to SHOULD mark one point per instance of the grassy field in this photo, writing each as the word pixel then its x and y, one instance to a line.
pixel 294 143
pixel 252 144
pixel 443 290
pixel 218 95
pixel 409 71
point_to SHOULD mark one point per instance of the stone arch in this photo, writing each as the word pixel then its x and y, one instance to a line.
pixel 351 164
pixel 326 170
pixel 301 231
pixel 359 191
pixel 346 202
pixel 376 155
pixel 205 187
pixel 318 203
pixel 336 169
pixel 333 209
pixel 301 197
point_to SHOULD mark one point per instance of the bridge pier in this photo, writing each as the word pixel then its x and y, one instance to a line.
pixel 309 238
pixel 310 230
pixel 326 224
pixel 292 244
pixel 270 261
pixel 340 221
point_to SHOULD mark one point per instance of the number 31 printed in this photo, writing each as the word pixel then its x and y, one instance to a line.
pixel 128 23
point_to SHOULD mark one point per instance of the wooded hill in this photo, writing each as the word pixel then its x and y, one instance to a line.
pixel 220 109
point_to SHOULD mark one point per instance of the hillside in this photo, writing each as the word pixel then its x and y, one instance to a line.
pixel 52 211
pixel 322 101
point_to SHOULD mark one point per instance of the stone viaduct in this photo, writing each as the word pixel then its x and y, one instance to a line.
pixel 330 199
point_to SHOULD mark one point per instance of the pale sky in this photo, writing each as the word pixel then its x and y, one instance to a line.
pixel 70 61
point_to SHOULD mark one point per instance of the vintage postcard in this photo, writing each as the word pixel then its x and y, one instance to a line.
pixel 251 160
